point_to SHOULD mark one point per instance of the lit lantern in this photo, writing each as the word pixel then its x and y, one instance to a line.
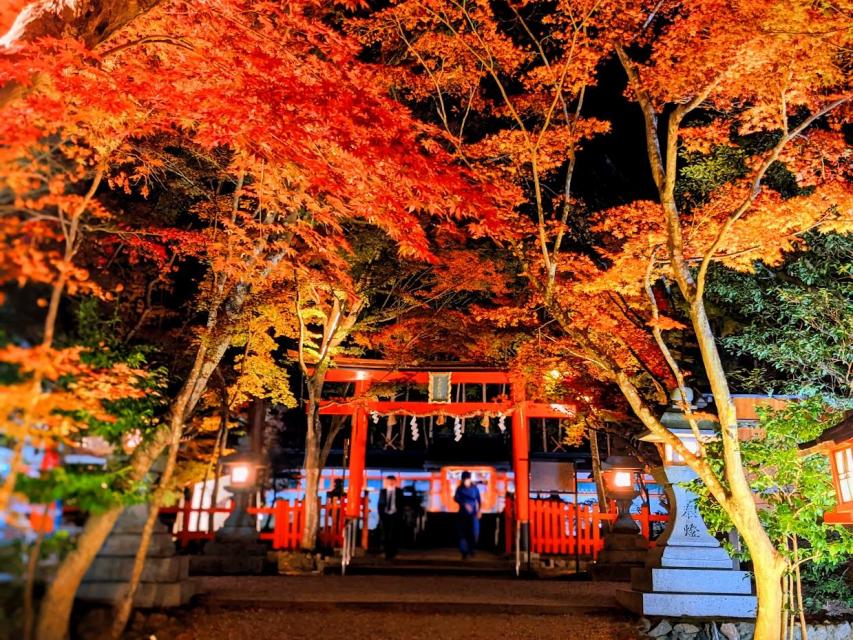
pixel 243 468
pixel 621 479
pixel 837 443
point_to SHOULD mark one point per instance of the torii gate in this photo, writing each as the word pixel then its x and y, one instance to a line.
pixel 364 373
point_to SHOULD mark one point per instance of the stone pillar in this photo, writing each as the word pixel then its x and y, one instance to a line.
pixel 164 582
pixel 688 573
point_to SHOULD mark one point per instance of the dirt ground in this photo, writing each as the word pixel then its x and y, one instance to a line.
pixel 201 623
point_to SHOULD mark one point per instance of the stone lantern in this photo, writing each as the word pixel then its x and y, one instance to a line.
pixel 244 469
pixel 235 548
pixel 624 546
pixel 688 573
pixel 621 481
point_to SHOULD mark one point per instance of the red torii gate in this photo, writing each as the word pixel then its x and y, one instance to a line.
pixel 364 373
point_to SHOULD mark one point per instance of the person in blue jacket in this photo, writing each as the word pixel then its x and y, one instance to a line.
pixel 468 498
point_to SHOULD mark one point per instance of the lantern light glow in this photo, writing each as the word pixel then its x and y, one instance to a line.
pixel 240 474
pixel 623 479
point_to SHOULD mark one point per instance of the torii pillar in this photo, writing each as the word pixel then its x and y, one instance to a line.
pixel 521 465
pixel 357 453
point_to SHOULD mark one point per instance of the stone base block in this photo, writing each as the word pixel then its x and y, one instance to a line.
pixel 126 544
pixel 230 548
pixel 119 569
pixel 700 557
pixel 148 594
pixel 668 580
pixel 207 565
pixel 621 553
pixel 626 542
pixel 605 572
pixel 689 605
pixel 634 557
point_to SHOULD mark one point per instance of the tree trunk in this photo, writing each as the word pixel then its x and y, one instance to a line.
pixel 125 605
pixel 603 504
pixel 768 564
pixel 55 609
pixel 312 474
pixel 32 569
pixel 768 568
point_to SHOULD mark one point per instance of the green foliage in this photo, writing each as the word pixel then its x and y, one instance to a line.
pixel 703 173
pixel 795 321
pixel 794 490
pixel 90 490
pixel 824 586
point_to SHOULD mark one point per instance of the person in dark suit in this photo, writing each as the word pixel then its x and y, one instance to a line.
pixel 391 515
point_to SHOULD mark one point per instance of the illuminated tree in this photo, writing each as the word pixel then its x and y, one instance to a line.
pixel 508 82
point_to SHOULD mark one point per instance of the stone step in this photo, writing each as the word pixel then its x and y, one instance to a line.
pixel 480 565
pixel 689 605
pixel 119 569
pixel 148 594
pixel 671 580
pixel 485 608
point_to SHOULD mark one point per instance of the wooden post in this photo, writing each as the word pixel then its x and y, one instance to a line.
pixel 358 452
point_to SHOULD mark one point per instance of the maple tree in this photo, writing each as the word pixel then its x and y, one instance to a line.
pixel 301 141
pixel 765 79
pixel 286 144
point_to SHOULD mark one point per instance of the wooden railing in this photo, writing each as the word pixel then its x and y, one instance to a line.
pixel 285 528
pixel 561 528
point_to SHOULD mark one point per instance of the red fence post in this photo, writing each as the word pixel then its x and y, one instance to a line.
pixel 509 522
pixel 596 532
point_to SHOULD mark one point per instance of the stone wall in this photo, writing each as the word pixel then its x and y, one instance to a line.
pixel 681 630
pixel 164 581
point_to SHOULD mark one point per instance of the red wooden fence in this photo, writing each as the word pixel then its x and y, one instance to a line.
pixel 561 528
pixel 287 522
